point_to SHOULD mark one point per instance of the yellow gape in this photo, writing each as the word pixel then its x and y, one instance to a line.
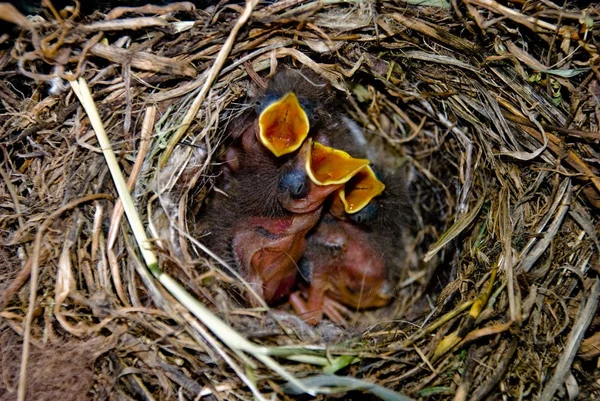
pixel 283 125
pixel 328 166
pixel 360 190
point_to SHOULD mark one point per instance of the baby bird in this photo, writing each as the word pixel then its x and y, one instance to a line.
pixel 343 267
pixel 272 203
pixel 294 103
pixel 281 172
pixel 269 212
pixel 353 253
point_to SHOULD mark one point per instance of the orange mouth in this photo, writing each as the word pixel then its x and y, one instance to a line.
pixel 360 190
pixel 329 166
pixel 283 125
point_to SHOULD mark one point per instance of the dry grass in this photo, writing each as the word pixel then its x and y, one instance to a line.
pixel 493 108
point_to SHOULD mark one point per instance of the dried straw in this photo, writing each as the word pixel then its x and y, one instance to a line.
pixel 491 107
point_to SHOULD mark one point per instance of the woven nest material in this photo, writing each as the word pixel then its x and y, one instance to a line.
pixel 492 108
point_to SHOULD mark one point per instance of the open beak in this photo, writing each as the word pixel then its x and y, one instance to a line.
pixel 328 169
pixel 329 166
pixel 360 190
pixel 283 125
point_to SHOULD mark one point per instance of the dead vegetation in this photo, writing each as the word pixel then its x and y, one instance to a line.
pixel 492 106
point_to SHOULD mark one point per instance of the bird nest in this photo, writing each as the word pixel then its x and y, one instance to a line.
pixel 491 108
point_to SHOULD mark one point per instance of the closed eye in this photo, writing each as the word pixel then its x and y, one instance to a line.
pixel 266 233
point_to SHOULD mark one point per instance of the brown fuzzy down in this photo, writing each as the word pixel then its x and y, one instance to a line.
pixel 391 219
pixel 251 192
pixel 255 188
pixel 217 226
pixel 394 211
pixel 313 93
pixel 61 371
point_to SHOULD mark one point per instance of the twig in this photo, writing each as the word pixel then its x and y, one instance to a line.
pixel 531 22
pixel 20 280
pixel 211 76
pixel 124 24
pixel 498 373
pixel 151 9
pixel 14 197
pixel 144 61
pixel 588 311
pixel 145 137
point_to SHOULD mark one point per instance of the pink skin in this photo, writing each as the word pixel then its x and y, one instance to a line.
pixel 269 248
pixel 345 270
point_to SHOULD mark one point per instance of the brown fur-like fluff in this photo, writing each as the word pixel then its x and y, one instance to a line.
pixel 313 93
pixel 56 371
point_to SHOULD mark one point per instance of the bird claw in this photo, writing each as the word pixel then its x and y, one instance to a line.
pixel 309 315
pixel 334 310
